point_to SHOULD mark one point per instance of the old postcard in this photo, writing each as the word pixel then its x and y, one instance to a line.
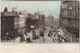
pixel 40 26
pixel 40 22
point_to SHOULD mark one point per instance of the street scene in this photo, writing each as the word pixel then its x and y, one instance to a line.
pixel 40 22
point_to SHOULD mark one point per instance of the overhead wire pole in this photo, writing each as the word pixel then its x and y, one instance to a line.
pixel 38 9
pixel 43 29
pixel 17 8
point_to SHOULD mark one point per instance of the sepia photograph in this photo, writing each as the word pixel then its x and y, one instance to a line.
pixel 40 21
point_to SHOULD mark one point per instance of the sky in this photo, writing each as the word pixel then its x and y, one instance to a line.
pixel 48 7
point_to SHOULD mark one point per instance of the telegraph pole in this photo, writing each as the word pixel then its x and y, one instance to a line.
pixel 38 10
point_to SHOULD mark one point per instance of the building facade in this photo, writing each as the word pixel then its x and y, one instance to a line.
pixel 8 24
pixel 49 20
pixel 36 19
pixel 41 17
pixel 69 16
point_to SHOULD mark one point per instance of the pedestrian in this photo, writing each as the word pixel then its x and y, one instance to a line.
pixel 37 33
pixel 28 37
pixel 34 35
pixel 28 40
pixel 55 38
pixel 50 33
pixel 41 33
pixel 22 38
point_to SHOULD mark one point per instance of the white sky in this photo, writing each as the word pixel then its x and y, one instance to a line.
pixel 49 7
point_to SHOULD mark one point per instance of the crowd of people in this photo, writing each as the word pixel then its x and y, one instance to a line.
pixel 53 34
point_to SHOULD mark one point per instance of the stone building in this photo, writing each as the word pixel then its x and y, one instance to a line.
pixel 23 15
pixel 8 24
pixel 69 16
pixel 12 22
pixel 36 19
pixel 49 20
pixel 41 18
